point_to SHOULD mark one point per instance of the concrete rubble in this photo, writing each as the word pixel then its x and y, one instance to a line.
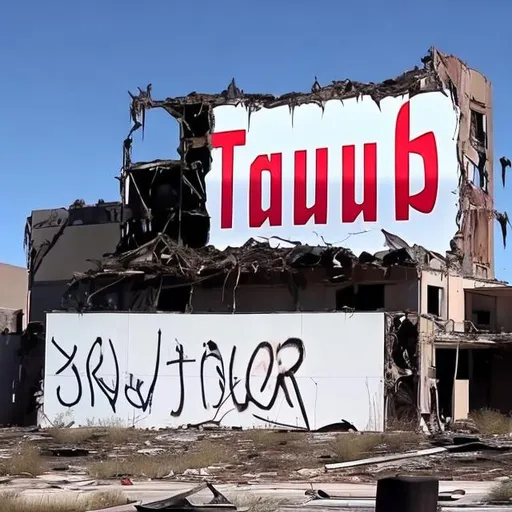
pixel 284 468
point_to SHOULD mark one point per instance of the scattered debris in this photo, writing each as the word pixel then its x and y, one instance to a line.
pixel 318 494
pixel 151 451
pixel 342 426
pixel 169 262
pixel 181 502
pixel 503 221
pixel 455 495
pixel 505 162
pixel 310 472
pixel 459 446
pixel 385 458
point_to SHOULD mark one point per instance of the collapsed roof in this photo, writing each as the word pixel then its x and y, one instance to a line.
pixel 134 280
pixel 164 256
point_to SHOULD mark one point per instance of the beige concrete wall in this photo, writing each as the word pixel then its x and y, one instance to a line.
pixel 477 302
pixel 457 306
pixel 13 287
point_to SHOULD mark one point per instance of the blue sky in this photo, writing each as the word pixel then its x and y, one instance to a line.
pixel 67 66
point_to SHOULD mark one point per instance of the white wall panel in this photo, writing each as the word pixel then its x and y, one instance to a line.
pixel 249 370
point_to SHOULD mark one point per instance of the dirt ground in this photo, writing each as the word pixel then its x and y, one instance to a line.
pixel 237 457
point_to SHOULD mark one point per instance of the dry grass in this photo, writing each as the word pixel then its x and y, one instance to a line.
pixel 267 438
pixel 25 461
pixel 402 425
pixel 501 492
pixel 120 435
pixel 354 446
pixel 205 454
pixel 56 503
pixel 349 447
pixel 74 436
pixel 489 421
pixel 401 441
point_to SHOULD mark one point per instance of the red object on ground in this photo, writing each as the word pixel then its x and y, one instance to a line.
pixel 126 481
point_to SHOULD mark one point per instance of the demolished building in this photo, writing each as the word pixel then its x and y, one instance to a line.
pixel 235 226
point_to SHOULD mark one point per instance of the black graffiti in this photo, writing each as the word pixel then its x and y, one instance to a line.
pixel 111 393
pixel 74 369
pixel 144 402
pixel 284 383
pixel 212 351
pixel 283 375
pixel 181 360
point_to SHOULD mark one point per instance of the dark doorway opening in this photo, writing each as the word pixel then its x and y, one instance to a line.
pixel 434 294
pixel 445 373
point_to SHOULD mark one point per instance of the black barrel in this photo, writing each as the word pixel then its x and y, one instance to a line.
pixel 407 494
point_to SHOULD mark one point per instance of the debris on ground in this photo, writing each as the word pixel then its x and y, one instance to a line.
pixel 181 502
pixel 251 456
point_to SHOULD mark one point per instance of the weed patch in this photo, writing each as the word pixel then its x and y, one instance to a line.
pixel 349 447
pixel 205 454
pixel 24 461
pixel 501 493
pixel 11 502
pixel 489 421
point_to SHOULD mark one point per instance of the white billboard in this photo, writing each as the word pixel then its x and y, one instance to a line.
pixel 167 370
pixel 337 174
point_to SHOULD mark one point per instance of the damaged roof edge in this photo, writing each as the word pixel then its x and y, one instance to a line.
pixel 439 72
pixel 410 82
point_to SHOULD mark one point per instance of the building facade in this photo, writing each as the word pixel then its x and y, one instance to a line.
pixel 232 227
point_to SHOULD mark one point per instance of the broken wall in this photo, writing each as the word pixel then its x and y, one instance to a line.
pixel 458 301
pixel 490 312
pixel 451 299
pixel 473 94
pixel 482 378
pixel 428 401
pixel 314 296
pixel 166 370
pixel 61 242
